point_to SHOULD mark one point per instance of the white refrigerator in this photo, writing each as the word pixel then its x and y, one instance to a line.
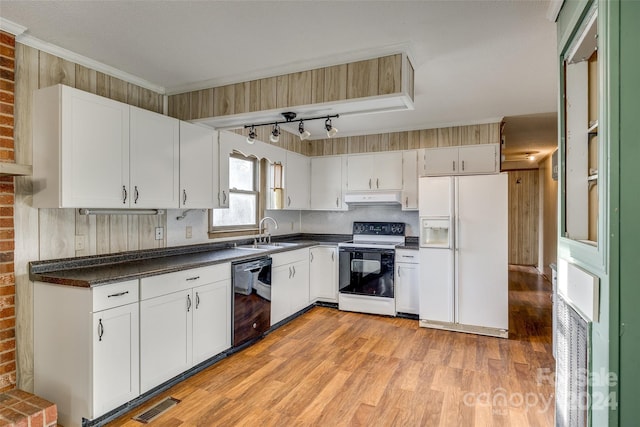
pixel 463 253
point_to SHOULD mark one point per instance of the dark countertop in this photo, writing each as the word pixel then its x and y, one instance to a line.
pixel 410 242
pixel 104 269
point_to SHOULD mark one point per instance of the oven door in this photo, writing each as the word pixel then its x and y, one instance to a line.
pixel 366 271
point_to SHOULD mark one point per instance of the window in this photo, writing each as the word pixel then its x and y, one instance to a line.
pixel 243 197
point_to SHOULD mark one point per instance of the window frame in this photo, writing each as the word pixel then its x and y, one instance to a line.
pixel 217 231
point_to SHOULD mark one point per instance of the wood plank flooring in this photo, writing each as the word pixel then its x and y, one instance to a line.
pixel 333 368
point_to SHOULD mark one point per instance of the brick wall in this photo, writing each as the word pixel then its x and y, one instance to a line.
pixel 7 278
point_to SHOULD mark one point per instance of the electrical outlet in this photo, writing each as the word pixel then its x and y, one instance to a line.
pixel 159 233
pixel 189 232
pixel 80 243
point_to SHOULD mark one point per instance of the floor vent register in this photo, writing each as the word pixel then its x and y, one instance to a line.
pixel 148 415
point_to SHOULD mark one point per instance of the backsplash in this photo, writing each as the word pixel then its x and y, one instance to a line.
pixel 341 222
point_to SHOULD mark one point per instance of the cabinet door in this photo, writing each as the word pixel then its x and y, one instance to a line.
pixel 326 183
pixel 154 159
pixel 478 159
pixel 387 171
pixel 296 182
pixel 359 172
pixel 280 285
pixel 299 286
pixel 211 320
pixel 198 163
pixel 409 180
pixel 95 151
pixel 323 273
pixel 116 360
pixel 165 338
pixel 441 161
pixel 407 286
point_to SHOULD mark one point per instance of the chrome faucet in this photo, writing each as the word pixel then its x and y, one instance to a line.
pixel 260 230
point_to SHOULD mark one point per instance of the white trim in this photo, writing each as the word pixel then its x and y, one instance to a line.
pixel 34 42
pixel 11 27
pixel 554 9
pixel 297 66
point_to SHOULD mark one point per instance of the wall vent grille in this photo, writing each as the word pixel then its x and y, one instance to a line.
pixel 572 337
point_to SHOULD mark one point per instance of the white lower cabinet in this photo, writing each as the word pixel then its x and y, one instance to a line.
pixel 185 318
pixel 86 355
pixel 407 281
pixel 289 283
pixel 323 273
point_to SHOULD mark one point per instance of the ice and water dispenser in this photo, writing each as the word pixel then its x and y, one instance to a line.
pixel 435 232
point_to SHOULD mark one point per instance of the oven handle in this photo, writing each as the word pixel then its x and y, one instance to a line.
pixel 370 250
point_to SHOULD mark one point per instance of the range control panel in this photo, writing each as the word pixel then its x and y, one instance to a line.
pixel 379 228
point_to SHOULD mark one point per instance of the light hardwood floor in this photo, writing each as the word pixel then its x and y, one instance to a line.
pixel 332 368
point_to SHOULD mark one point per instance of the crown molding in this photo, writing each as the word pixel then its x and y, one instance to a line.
pixel 298 66
pixel 11 27
pixel 24 38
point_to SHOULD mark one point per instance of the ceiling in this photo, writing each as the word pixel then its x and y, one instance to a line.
pixel 475 61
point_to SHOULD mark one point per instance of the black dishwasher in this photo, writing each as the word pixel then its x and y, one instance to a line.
pixel 251 281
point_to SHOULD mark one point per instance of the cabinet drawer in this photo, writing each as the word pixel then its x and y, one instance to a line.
pixel 163 284
pixel 283 258
pixel 409 256
pixel 114 295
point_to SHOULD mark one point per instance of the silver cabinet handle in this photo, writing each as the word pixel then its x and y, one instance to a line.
pixel 197 300
pixel 337 202
pixel 119 294
pixel 193 278
pixel 136 194
pixel 408 256
pixel 369 183
pixel 463 165
pixel 288 201
pixel 398 271
pixel 377 183
pixel 100 330
pixel 224 197
pixel 406 202
pixel 332 256
pixel 454 166
pixel 188 303
pixel 289 272
pixel 184 196
pixel 124 195
pixel 311 256
pixel 294 270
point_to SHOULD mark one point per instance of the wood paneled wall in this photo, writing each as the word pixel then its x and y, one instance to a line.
pixel 523 217
pixel 488 133
pixel 378 76
pixel 50 233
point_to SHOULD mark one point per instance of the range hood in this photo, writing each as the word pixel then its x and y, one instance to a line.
pixel 365 198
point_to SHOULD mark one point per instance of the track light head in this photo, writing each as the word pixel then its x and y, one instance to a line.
pixel 304 134
pixel 275 134
pixel 252 135
pixel 331 131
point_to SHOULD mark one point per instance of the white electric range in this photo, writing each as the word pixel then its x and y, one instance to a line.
pixel 366 268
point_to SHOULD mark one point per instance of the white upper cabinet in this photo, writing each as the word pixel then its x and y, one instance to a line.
pixel 198 167
pixel 80 150
pixel 465 159
pixel 154 159
pixel 327 182
pixel 378 171
pixel 296 176
pixel 410 179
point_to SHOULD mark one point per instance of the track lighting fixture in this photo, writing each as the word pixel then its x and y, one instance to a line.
pixel 331 131
pixel 275 133
pixel 252 135
pixel 304 134
pixel 290 117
